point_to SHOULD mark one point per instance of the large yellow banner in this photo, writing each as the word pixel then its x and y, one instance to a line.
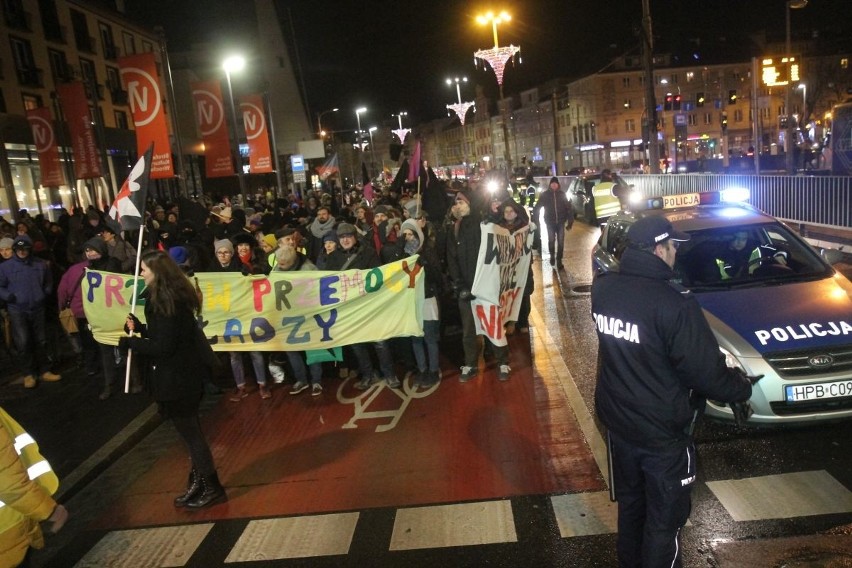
pixel 284 311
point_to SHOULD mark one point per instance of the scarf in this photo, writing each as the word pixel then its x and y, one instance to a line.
pixel 246 259
pixel 319 230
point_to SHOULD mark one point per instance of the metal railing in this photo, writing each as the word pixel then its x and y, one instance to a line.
pixel 817 200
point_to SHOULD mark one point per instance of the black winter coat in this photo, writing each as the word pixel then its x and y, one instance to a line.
pixel 654 347
pixel 463 251
pixel 171 350
pixel 557 208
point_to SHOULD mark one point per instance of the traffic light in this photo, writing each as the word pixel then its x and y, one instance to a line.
pixel 724 121
pixel 676 104
pixel 699 100
pixel 668 104
pixel 732 97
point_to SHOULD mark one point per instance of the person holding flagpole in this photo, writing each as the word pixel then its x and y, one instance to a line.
pixel 175 352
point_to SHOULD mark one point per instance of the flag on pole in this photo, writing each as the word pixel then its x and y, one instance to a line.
pixel 414 164
pixel 329 168
pixel 368 185
pixel 126 213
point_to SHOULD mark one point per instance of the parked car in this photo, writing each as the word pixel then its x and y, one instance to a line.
pixel 774 303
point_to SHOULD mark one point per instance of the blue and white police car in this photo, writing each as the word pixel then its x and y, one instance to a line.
pixel 776 306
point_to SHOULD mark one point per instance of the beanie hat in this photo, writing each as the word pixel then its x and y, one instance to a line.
pixel 330 236
pixel 285 232
pixel 6 243
pixel 97 244
pixel 22 242
pixel 270 240
pixel 223 244
pixel 381 210
pixel 179 254
pixel 345 229
pixel 555 180
pixel 463 195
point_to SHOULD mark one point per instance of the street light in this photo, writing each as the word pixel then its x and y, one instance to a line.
pixel 401 132
pixel 232 64
pixel 457 82
pixel 358 120
pixel 788 138
pixel 497 58
pixel 372 150
pixel 319 119
pixel 804 88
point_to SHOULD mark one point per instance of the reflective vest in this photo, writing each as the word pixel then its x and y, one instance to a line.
pixel 606 202
pixel 753 263
pixel 38 469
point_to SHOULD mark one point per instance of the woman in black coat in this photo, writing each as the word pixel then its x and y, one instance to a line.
pixel 173 347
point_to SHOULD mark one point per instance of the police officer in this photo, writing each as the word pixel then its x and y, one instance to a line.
pixel 658 361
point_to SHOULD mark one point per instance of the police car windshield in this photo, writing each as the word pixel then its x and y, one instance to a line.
pixel 746 255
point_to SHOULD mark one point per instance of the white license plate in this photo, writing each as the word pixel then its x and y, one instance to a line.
pixel 817 391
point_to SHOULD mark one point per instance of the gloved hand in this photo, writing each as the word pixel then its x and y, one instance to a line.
pixel 137 325
pixel 742 410
pixel 11 299
pixel 465 295
pixel 57 519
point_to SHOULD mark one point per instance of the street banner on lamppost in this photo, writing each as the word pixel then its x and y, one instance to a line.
pixel 45 143
pixel 139 76
pixel 254 121
pixel 210 118
pixel 75 107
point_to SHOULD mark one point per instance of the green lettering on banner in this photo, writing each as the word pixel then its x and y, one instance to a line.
pixel 374 280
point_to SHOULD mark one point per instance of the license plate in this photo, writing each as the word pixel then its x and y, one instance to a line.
pixel 817 391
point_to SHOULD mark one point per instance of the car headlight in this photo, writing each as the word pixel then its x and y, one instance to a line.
pixel 731 360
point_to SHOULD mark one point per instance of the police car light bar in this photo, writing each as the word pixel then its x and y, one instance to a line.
pixel 732 195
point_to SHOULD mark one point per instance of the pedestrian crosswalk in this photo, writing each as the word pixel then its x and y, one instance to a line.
pixel 473 524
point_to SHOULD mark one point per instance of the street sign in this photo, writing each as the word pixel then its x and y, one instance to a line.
pixel 299 177
pixel 680 119
pixel 297 162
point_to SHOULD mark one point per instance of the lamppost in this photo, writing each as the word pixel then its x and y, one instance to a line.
pixel 372 150
pixel 459 108
pixel 804 88
pixel 358 120
pixel 401 132
pixel 319 120
pixel 233 64
pixel 497 58
pixel 788 137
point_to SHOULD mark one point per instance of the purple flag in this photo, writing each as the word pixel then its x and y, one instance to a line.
pixel 414 164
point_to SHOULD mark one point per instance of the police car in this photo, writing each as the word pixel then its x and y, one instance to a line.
pixel 776 306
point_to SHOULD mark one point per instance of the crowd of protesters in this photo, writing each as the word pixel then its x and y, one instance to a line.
pixel 42 264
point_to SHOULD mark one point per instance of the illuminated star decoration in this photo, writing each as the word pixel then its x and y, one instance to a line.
pixel 401 134
pixel 461 109
pixel 497 57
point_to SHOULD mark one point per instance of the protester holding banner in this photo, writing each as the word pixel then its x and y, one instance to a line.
pixel 288 259
pixel 515 217
pixel 226 261
pixel 119 249
pixel 462 259
pixel 176 354
pixel 356 255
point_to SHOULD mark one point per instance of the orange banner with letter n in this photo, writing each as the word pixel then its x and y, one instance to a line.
pixel 254 121
pixel 140 79
pixel 44 137
pixel 210 118
pixel 75 107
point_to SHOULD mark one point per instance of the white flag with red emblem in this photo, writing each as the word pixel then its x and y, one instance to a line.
pixel 126 213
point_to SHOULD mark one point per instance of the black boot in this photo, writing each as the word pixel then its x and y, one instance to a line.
pixel 211 492
pixel 193 489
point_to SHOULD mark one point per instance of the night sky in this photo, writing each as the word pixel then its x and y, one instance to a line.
pixel 390 57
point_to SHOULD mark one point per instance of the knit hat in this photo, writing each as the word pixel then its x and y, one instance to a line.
pixel 97 244
pixel 6 243
pixel 223 244
pixel 270 240
pixel 330 236
pixel 179 254
pixel 555 180
pixel 344 229
pixel 381 210
pixel 22 242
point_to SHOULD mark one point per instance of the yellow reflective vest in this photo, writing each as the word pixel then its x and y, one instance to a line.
pixel 606 202
pixel 26 484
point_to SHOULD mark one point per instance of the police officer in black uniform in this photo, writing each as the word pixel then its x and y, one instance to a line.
pixel 658 361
